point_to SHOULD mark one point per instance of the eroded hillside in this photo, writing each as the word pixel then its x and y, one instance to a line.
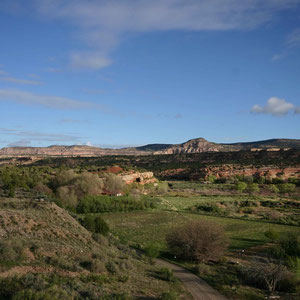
pixel 53 256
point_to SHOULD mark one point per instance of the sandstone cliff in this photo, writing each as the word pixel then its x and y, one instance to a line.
pixel 198 145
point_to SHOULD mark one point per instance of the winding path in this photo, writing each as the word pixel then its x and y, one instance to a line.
pixel 199 289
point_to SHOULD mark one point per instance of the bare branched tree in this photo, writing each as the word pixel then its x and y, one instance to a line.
pixel 267 274
pixel 197 240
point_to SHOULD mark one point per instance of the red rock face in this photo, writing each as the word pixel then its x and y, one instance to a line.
pixel 227 171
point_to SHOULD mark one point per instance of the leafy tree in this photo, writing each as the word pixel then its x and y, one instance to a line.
pixel 241 186
pixel 274 188
pixel 253 188
pixel 285 188
pixel 211 178
pixel 95 224
pixel 101 226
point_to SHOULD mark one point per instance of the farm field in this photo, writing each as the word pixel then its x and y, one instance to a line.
pixel 143 228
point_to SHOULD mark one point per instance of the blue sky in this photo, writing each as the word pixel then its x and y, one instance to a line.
pixel 133 72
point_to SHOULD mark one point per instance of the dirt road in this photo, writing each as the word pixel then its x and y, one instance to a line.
pixel 199 289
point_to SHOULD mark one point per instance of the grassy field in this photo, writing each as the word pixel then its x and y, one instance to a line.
pixel 144 228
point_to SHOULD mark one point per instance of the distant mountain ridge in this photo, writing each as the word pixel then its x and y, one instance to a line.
pixel 197 145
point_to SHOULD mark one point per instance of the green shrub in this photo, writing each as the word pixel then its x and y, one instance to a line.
pixel 166 274
pixel 288 283
pixel 272 235
pixel 101 226
pixel 290 244
pixel 111 267
pixel 253 188
pixel 100 204
pixel 286 188
pixel 95 224
pixel 202 269
pixel 152 251
pixel 241 186
pixel 168 296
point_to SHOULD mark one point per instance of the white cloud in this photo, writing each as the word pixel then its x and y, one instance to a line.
pixel 293 38
pixel 276 107
pixel 20 81
pixel 102 24
pixel 89 60
pixel 47 101
pixel 297 110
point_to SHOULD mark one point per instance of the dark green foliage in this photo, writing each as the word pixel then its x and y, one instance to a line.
pixel 111 267
pixel 290 244
pixel 100 204
pixel 288 284
pixel 253 188
pixel 286 188
pixel 168 296
pixel 95 224
pixel 101 226
pixel 211 208
pixel 152 251
pixel 166 275
pixel 123 296
pixel 272 235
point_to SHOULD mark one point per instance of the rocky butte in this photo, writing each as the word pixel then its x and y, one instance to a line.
pixel 198 145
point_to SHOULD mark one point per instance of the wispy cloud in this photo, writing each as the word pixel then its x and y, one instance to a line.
pixel 3 72
pixel 94 92
pixel 47 101
pixel 20 81
pixel 88 60
pixel 276 107
pixel 20 143
pixel 276 57
pixel 27 136
pixel 102 25
pixel 293 39
pixel 32 75
pixel 73 121
pixel 53 70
